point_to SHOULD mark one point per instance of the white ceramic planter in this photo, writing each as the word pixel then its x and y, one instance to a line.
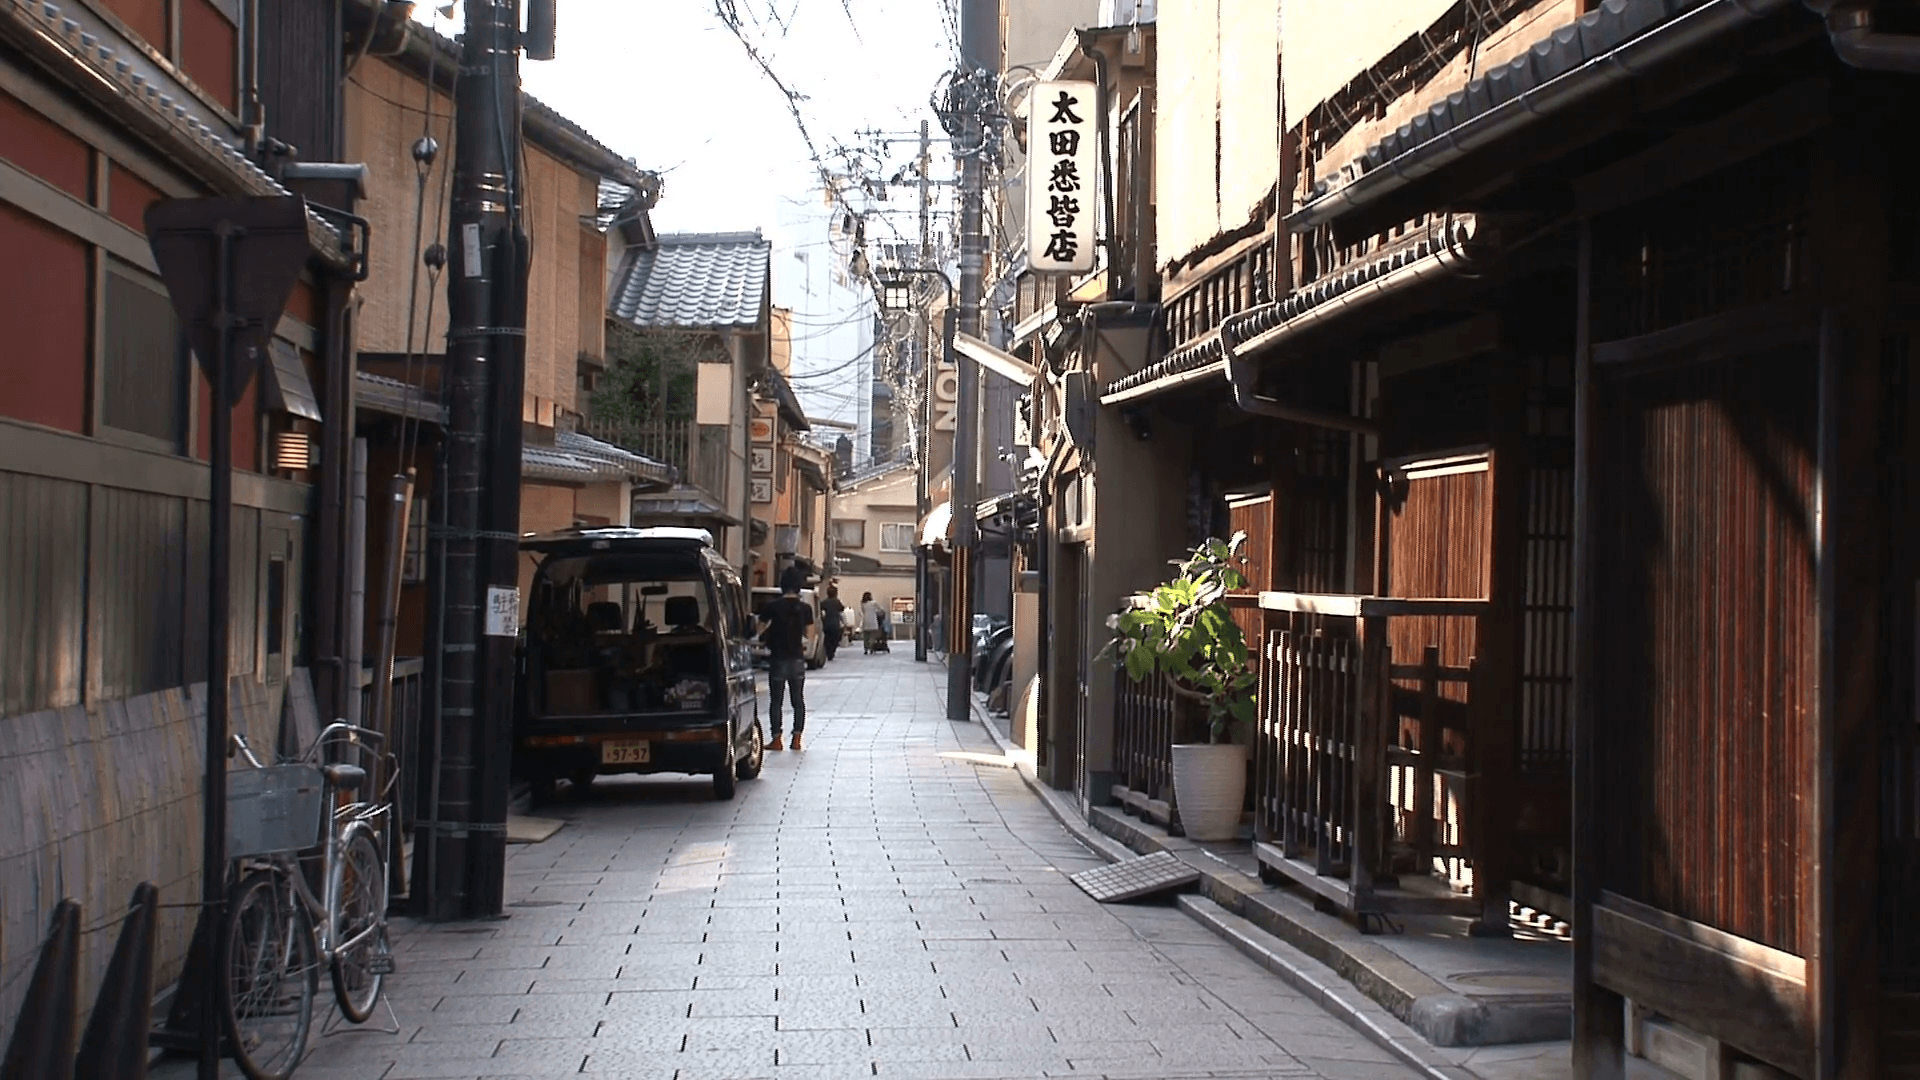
pixel 1209 784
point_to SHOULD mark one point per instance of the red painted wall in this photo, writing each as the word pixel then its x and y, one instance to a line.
pixel 43 306
pixel 44 148
pixel 148 18
pixel 209 48
pixel 128 197
pixel 246 423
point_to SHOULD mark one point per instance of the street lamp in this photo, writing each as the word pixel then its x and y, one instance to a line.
pixel 896 293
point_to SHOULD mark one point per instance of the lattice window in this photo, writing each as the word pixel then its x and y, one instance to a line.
pixel 1736 239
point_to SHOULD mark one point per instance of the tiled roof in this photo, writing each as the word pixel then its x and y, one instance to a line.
pixel 631 465
pixel 695 280
pixel 396 398
pixel 577 458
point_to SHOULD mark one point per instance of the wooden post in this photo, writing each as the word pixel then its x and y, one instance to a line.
pixel 1429 751
pixel 1369 758
pixel 1599 1014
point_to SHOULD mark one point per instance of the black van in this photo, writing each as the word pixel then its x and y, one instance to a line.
pixel 636 657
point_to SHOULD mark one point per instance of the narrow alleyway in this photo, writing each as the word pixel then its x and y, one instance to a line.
pixel 873 905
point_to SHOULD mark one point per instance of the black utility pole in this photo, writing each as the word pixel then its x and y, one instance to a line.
pixel 465 851
pixel 980 60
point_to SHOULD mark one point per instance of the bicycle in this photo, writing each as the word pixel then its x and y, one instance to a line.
pixel 277 930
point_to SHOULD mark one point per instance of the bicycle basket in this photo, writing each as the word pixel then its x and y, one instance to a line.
pixel 274 810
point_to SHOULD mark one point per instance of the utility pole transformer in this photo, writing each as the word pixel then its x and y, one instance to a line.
pixel 463 853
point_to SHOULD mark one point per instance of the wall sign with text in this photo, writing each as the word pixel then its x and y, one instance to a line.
pixel 1063 166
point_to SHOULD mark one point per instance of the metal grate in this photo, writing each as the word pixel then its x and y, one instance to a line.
pixel 1131 879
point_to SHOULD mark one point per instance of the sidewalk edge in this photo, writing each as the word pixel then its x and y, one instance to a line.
pixel 1317 981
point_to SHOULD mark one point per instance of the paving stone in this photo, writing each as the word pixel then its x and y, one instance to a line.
pixel 866 908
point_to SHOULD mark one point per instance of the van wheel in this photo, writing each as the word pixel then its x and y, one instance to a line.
pixel 749 766
pixel 723 777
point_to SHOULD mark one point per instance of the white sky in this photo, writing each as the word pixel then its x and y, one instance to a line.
pixel 665 83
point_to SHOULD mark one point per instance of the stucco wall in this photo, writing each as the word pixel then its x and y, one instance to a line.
pixel 565 282
pixel 383 119
pixel 543 508
pixel 1185 138
pixel 1499 47
pixel 1216 128
pixel 1328 42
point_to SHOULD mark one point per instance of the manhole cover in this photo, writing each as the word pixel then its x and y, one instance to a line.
pixel 1511 981
pixel 1130 879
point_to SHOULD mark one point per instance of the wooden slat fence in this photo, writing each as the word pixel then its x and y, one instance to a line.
pixel 1355 776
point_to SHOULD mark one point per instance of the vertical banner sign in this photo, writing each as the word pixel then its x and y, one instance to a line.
pixel 1063 167
pixel 503 612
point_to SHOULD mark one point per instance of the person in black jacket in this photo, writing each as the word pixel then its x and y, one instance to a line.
pixel 833 618
pixel 786 626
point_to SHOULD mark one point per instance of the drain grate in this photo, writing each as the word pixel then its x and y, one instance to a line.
pixel 1133 878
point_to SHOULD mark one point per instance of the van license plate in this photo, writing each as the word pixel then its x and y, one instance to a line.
pixel 625 752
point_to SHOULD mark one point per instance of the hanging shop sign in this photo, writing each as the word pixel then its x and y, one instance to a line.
pixel 1063 164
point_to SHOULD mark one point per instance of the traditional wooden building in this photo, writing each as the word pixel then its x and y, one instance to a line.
pixel 106 107
pixel 1559 379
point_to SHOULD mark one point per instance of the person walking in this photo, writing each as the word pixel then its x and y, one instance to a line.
pixel 870 620
pixel 833 614
pixel 787 628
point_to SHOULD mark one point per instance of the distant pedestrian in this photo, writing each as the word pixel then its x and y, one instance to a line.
pixel 870 620
pixel 787 628
pixel 833 613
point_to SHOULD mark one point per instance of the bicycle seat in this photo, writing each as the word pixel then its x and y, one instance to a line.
pixel 344 777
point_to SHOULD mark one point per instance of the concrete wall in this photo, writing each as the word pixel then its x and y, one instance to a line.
pixel 887 498
pixel 97 798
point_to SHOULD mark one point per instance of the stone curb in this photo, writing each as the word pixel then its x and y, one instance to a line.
pixel 1312 978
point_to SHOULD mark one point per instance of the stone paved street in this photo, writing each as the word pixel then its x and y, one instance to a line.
pixel 873 905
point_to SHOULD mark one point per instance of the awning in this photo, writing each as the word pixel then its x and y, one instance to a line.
pixel 288 388
pixel 1004 364
pixel 683 505
pixel 1446 246
pixel 377 393
pixel 937 526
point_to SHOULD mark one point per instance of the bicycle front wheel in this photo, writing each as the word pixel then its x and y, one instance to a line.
pixel 269 976
pixel 363 911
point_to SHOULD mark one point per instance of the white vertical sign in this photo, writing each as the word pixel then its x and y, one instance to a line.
pixel 503 612
pixel 1063 165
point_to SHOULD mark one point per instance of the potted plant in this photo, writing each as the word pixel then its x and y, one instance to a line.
pixel 1182 632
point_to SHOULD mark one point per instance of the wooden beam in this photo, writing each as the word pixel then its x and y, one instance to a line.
pixel 1599 1013
pixel 1740 992
pixel 1793 112
pixel 1365 607
pixel 1840 906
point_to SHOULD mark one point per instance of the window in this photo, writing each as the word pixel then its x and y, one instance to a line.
pixel 896 536
pixel 413 565
pixel 276 619
pixel 850 534
pixel 144 382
